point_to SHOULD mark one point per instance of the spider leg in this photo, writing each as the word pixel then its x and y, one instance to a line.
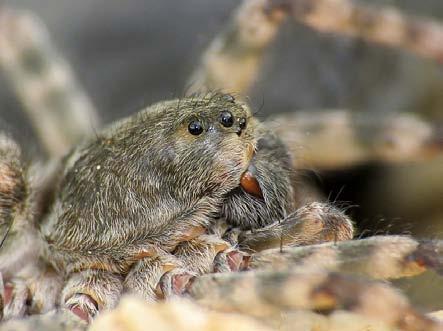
pixel 230 260
pixel 145 275
pixel 198 254
pixel 166 276
pixel 53 321
pixel 58 107
pixel 31 285
pixel 271 292
pixel 89 291
pixel 311 224
pixel 15 223
pixel 381 257
pixel 135 315
pixel 232 60
pixel 196 257
pixel 383 25
pixel 339 139
pixel 16 297
pixel 34 289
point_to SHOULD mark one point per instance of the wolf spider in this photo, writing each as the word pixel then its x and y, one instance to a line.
pixel 190 197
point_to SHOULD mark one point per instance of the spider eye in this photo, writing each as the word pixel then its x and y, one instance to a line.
pixel 226 119
pixel 242 123
pixel 195 128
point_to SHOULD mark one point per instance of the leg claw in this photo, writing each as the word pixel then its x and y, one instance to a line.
pixel 82 305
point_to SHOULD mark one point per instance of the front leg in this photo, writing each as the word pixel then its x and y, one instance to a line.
pixel 269 194
pixel 34 289
pixel 144 277
pixel 311 224
pixel 167 275
pixel 264 208
pixel 89 291
pixel 30 284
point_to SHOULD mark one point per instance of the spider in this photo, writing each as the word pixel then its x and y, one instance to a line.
pixel 186 187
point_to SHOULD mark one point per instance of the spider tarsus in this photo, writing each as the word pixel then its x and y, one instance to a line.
pixel 181 282
pixel 235 260
pixel 83 305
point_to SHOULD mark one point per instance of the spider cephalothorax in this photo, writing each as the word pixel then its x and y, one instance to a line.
pixel 149 179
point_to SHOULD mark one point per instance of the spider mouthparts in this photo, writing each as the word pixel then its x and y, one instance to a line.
pixel 249 183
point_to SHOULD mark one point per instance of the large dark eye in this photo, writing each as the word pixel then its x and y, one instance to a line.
pixel 226 119
pixel 242 123
pixel 195 128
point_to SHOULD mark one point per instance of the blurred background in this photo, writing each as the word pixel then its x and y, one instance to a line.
pixel 129 54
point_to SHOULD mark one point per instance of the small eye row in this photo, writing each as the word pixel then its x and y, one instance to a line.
pixel 226 119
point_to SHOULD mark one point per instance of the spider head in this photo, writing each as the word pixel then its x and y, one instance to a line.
pixel 213 141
